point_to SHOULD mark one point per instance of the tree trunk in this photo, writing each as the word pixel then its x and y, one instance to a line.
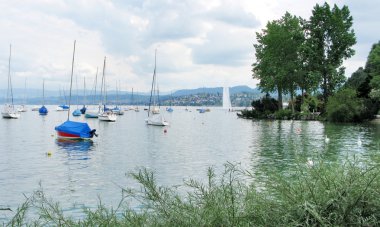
pixel 292 100
pixel 325 91
pixel 279 98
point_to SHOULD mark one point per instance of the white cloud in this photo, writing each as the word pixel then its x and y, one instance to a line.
pixel 200 43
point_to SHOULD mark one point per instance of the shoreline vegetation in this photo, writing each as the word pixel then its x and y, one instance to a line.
pixel 305 56
pixel 315 193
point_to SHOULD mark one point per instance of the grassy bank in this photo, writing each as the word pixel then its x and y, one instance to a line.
pixel 314 194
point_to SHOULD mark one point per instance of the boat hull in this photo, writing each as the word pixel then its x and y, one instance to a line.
pixel 10 115
pixel 107 116
pixel 75 131
pixel 9 112
pixel 156 120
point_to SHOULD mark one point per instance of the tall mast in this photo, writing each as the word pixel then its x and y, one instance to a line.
pixel 153 80
pixel 9 76
pixel 103 81
pixel 71 81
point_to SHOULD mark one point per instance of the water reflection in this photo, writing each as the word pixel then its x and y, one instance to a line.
pixel 76 149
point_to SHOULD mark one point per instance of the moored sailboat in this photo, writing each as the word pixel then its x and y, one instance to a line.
pixel 106 114
pixel 93 112
pixel 72 129
pixel 154 116
pixel 8 110
pixel 43 110
pixel 23 108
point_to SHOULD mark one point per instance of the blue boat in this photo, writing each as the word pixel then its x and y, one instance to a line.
pixel 64 107
pixel 169 109
pixel 202 110
pixel 75 130
pixel 83 110
pixel 43 110
pixel 77 113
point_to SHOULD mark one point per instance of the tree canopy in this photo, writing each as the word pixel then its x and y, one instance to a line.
pixel 293 53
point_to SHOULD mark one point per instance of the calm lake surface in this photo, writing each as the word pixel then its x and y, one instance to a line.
pixel 76 174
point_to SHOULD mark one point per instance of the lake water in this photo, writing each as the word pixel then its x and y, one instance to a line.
pixel 76 174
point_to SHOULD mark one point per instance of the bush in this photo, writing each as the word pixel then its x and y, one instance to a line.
pixel 284 114
pixel 265 104
pixel 315 194
pixel 344 106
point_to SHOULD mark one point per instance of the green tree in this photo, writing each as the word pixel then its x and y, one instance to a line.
pixel 277 56
pixel 349 110
pixel 373 69
pixel 360 81
pixel 329 38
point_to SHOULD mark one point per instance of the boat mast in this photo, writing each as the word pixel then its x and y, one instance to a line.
pixel 153 80
pixel 101 88
pixel 43 92
pixel 71 82
pixel 96 81
pixel 9 76
pixel 84 91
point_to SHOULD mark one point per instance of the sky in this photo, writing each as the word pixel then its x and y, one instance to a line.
pixel 199 43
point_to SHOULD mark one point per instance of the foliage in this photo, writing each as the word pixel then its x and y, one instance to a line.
pixel 265 104
pixel 329 40
pixel 348 110
pixel 360 81
pixel 373 69
pixel 284 114
pixel 314 194
pixel 277 56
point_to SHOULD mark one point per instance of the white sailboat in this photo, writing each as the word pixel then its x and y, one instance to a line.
pixel 92 112
pixel 23 108
pixel 154 116
pixel 8 110
pixel 135 107
pixel 105 113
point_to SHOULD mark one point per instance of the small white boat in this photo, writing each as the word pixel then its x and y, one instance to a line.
pixel 9 112
pixel 154 116
pixel 22 108
pixel 157 120
pixel 35 108
pixel 107 116
pixel 155 110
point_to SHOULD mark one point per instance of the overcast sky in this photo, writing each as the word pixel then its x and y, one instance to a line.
pixel 200 43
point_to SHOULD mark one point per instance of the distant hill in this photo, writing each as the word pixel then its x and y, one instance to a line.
pixel 215 90
pixel 34 96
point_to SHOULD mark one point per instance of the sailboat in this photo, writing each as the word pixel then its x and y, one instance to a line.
pixel 83 109
pixel 170 109
pixel 73 129
pixel 62 107
pixel 93 112
pixel 117 110
pixel 106 114
pixel 43 110
pixel 226 99
pixel 136 108
pixel 154 119
pixel 23 108
pixel 8 110
pixel 77 112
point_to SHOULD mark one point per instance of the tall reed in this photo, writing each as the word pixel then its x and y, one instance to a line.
pixel 322 194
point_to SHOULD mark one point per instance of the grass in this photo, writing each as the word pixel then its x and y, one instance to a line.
pixel 322 194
